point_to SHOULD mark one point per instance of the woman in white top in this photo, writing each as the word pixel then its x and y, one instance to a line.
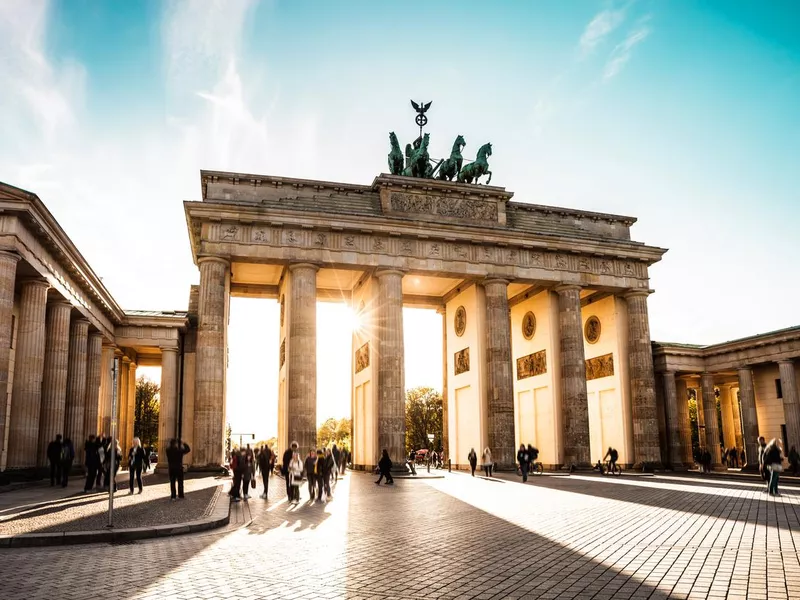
pixel 296 475
pixel 487 462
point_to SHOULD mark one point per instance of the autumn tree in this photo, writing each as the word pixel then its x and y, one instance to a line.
pixel 334 431
pixel 423 416
pixel 145 425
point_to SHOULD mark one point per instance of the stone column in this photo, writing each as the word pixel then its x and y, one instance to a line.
pixel 125 416
pixel 684 423
pixel 131 401
pixel 76 380
pixel 747 397
pixel 8 275
pixel 54 377
pixel 728 433
pixel 168 401
pixel 391 365
pixel 737 421
pixel 26 399
pixel 94 353
pixel 445 429
pixel 499 375
pixel 106 391
pixel 791 408
pixel 209 407
pixel 674 434
pixel 710 419
pixel 574 401
pixel 643 391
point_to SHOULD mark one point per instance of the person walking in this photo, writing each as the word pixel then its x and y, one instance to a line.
pixel 248 469
pixel 91 461
pixel 410 462
pixel 385 468
pixel 137 460
pixel 265 461
pixel 175 453
pixel 67 456
pixel 310 465
pixel 328 467
pixel 336 461
pixel 285 462
pixel 524 461
pixel 733 456
pixel 773 459
pixel 762 445
pixel 236 480
pixel 487 462
pixel 54 458
pixel 295 472
pixel 473 460
pixel 319 473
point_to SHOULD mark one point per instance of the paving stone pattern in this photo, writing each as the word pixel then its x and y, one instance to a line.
pixel 457 537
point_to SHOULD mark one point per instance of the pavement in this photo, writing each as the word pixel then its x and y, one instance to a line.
pixel 582 536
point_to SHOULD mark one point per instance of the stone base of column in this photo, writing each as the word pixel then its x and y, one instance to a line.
pixel 719 468
pixel 647 467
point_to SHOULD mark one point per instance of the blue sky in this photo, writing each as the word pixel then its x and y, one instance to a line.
pixel 683 114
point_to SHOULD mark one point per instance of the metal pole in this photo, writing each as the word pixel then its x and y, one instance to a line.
pixel 113 445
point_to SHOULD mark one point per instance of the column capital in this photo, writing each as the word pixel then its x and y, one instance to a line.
pixel 125 360
pixel 567 287
pixel 95 334
pixel 442 310
pixel 35 282
pixel 219 259
pixel 168 349
pixel 500 280
pixel 81 321
pixel 10 255
pixel 303 265
pixel 60 302
pixel 636 293
pixel 381 272
pixel 785 361
pixel 745 368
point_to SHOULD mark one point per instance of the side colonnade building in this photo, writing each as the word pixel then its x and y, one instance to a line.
pixel 61 333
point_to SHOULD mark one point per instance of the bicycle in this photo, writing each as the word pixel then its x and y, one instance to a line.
pixel 537 468
pixel 616 470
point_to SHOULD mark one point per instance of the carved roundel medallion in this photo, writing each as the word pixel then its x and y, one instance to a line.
pixel 460 322
pixel 591 330
pixel 528 325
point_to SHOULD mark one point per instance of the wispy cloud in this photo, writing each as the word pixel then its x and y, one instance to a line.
pixel 622 51
pixel 599 28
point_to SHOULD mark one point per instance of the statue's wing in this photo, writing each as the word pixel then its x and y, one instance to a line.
pixel 427 106
pixel 415 105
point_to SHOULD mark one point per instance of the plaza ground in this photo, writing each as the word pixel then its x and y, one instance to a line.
pixel 581 536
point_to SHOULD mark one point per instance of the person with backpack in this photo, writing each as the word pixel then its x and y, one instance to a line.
pixel 175 453
pixel 54 458
pixel 137 460
pixel 67 456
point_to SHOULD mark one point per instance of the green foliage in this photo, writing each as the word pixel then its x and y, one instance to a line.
pixel 423 416
pixel 334 431
pixel 145 425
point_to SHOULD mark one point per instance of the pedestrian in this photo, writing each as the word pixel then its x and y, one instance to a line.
pixel 794 460
pixel 295 472
pixel 309 465
pixel 385 468
pixel 336 462
pixel 102 479
pixel 91 461
pixel 524 461
pixel 725 456
pixel 67 456
pixel 175 453
pixel 473 460
pixel 247 465
pixel 285 461
pixel 319 473
pixel 236 481
pixel 111 446
pixel 487 462
pixel 773 459
pixel 706 461
pixel 54 458
pixel 733 457
pixel 265 461
pixel 412 458
pixel 762 468
pixel 533 456
pixel 329 465
pixel 137 460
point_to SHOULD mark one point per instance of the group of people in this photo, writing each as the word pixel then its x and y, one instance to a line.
pixel 246 463
pixel 486 458
pixel 320 468
pixel 97 452
pixel 526 456
pixel 60 455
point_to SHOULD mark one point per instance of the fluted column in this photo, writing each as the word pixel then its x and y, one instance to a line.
pixel 499 377
pixel 737 421
pixel 643 385
pixel 684 423
pixel 8 276
pixel 26 400
pixel 106 390
pixel 574 402
pixel 710 419
pixel 747 398
pixel 126 416
pixel 391 365
pixel 211 363
pixel 791 408
pixel 728 434
pixel 76 380
pixel 131 402
pixel 445 429
pixel 54 377
pixel 168 400
pixel 94 354
pixel 674 434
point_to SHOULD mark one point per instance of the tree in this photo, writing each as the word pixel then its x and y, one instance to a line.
pixel 145 425
pixel 334 431
pixel 423 416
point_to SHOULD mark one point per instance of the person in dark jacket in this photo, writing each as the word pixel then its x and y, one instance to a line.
pixel 92 463
pixel 266 459
pixel 762 468
pixel 328 467
pixel 287 458
pixel 524 461
pixel 310 467
pixel 773 460
pixel 137 460
pixel 67 456
pixel 319 473
pixel 472 458
pixel 385 467
pixel 54 457
pixel 175 453
pixel 337 457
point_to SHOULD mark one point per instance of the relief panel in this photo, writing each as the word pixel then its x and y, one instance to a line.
pixel 600 366
pixel 532 365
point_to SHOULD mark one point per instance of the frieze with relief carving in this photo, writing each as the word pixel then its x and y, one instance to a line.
pixel 532 365
pixel 362 358
pixel 453 207
pixel 600 366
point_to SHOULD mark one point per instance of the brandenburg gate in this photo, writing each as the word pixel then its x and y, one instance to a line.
pixel 545 324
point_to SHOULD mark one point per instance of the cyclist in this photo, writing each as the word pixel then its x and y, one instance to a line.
pixel 612 455
pixel 533 456
pixel 523 459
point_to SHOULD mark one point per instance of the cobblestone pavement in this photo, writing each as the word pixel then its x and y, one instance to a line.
pixel 45 509
pixel 457 537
